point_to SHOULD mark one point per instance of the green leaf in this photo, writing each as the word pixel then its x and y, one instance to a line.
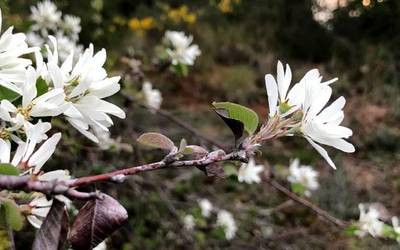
pixel 156 140
pixel 11 214
pixel 181 69
pixel 298 188
pixel 8 94
pixel 41 86
pixel 8 169
pixel 351 230
pixel 238 118
pixel 247 116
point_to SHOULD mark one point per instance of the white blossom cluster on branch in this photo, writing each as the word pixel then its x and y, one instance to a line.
pixel 56 87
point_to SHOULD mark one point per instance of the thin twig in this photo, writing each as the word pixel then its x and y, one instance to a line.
pixel 306 203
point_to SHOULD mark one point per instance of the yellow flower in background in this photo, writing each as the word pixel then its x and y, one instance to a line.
pixel 226 6
pixel 134 24
pixel 190 18
pixel 181 14
pixel 148 23
pixel 141 25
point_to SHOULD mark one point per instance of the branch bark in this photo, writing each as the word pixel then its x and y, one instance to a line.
pixel 68 188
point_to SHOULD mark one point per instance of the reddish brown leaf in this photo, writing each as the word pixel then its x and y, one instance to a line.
pixel 53 233
pixel 97 220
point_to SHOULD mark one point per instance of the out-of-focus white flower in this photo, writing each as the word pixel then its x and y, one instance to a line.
pixel 12 66
pixel 396 227
pixel 66 45
pixel 303 175
pixel 181 51
pixel 369 222
pixel 250 172
pixel 227 222
pixel 206 207
pixel 85 84
pixel 72 25
pixel 46 16
pixel 152 96
pixel 106 142
pixel 189 222
pixel 34 39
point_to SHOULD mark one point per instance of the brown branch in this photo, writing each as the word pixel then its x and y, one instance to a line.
pixel 67 188
pixel 326 215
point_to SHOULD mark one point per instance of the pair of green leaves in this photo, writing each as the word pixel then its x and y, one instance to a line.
pixel 238 118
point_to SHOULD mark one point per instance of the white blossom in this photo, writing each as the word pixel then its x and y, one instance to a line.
pixel 322 125
pixel 250 172
pixel 85 84
pixel 50 103
pixel 12 66
pixel 181 51
pixel 189 222
pixel 369 222
pixel 308 97
pixel 303 175
pixel 206 207
pixel 227 222
pixel 39 208
pixel 46 16
pixel 396 228
pixel 152 96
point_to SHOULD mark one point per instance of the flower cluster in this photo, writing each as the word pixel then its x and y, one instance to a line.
pixel 179 48
pixel 48 20
pixel 369 222
pixel 372 222
pixel 302 110
pixel 181 14
pixel 303 178
pixel 141 25
pixel 32 94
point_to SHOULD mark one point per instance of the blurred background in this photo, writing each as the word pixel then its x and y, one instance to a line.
pixel 241 40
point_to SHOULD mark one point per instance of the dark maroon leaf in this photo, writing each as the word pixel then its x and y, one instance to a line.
pixel 237 127
pixel 96 220
pixel 53 233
